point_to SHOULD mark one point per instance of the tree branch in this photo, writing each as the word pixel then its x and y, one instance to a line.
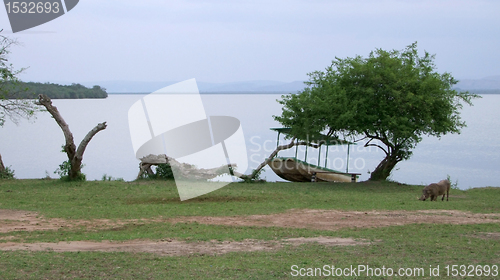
pixel 70 147
pixel 88 137
pixel 265 162
pixel 367 144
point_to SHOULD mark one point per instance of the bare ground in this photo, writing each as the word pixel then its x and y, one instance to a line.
pixel 334 219
pixel 18 220
pixel 175 247
pixel 13 220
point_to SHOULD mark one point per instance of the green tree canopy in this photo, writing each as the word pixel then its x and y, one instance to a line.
pixel 11 89
pixel 390 99
pixel 11 107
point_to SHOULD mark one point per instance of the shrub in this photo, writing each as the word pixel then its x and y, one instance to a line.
pixel 8 173
pixel 63 172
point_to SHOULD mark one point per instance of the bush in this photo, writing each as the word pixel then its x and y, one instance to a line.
pixel 105 177
pixel 454 186
pixel 8 173
pixel 63 172
pixel 255 178
pixel 162 172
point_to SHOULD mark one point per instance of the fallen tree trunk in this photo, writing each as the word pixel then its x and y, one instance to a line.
pixel 189 171
pixel 75 156
pixel 182 169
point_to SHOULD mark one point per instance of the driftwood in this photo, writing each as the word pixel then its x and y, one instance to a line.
pixel 185 170
pixel 189 171
pixel 75 156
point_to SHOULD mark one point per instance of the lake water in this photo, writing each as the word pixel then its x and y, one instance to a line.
pixel 32 149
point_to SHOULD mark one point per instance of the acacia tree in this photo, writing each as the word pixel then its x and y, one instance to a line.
pixel 11 106
pixel 390 99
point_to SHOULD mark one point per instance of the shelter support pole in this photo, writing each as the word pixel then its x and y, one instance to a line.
pixel 277 142
pixel 319 155
pixel 306 154
pixel 348 150
pixel 326 156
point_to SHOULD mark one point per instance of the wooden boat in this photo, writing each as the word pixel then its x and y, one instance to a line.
pixel 296 170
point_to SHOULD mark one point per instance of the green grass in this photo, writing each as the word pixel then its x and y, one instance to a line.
pixel 150 199
pixel 412 246
pixel 409 246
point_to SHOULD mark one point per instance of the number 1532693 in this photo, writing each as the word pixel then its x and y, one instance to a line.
pixel 471 270
pixel 32 7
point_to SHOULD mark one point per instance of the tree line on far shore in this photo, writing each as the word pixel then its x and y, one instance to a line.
pixel 31 90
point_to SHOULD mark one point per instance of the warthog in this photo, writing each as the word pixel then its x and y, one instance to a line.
pixel 436 189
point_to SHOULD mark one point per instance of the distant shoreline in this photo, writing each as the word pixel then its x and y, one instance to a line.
pixel 217 92
pixel 476 91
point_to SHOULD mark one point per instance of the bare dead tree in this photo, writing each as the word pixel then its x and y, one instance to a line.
pixel 193 172
pixel 184 170
pixel 75 155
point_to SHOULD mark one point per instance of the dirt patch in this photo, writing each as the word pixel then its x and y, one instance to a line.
pixel 334 220
pixel 327 241
pixel 13 220
pixel 175 247
pixel 18 220
pixel 487 235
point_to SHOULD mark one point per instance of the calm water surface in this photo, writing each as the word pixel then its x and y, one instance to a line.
pixel 32 149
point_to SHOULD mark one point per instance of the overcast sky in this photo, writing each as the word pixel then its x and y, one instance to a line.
pixel 228 41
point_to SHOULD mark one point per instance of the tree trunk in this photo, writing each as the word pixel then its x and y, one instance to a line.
pixel 75 156
pixel 2 167
pixel 384 168
pixel 69 147
pixel 76 162
pixel 185 170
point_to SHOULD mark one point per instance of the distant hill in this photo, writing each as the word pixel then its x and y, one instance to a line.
pixel 252 86
pixel 204 87
pixel 488 83
pixel 484 85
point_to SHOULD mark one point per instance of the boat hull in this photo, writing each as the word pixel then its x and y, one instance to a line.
pixel 292 169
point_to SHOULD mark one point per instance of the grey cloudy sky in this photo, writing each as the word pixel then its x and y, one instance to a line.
pixel 227 41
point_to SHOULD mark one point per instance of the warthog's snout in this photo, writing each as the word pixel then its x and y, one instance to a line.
pixel 424 196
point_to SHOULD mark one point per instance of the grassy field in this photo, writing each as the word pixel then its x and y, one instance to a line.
pixel 401 246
